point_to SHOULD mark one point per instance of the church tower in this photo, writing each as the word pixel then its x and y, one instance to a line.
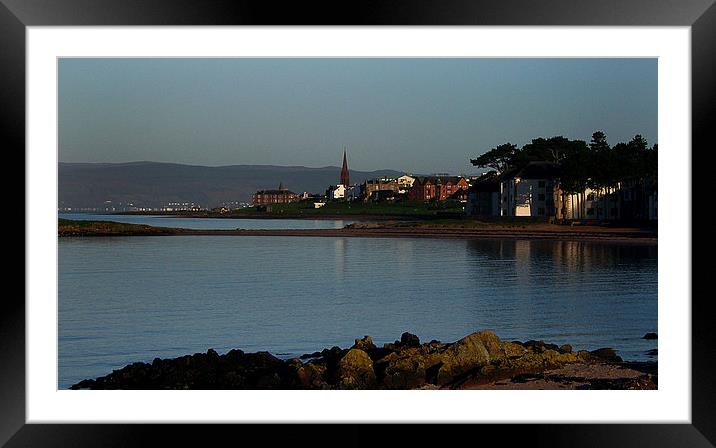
pixel 345 181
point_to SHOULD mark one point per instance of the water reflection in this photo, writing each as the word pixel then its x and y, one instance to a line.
pixel 566 256
pixel 131 299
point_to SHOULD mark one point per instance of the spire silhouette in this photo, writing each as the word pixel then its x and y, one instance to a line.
pixel 345 179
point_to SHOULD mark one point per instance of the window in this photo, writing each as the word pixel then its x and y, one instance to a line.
pixel 541 184
pixel 540 196
pixel 590 211
pixel 540 211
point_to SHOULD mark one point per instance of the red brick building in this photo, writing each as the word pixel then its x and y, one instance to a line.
pixel 427 188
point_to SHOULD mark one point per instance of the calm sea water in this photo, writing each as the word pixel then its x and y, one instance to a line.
pixel 212 223
pixel 124 299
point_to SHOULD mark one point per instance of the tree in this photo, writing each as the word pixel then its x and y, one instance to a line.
pixel 499 158
pixel 599 141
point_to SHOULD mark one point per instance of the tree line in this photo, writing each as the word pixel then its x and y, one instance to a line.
pixel 595 165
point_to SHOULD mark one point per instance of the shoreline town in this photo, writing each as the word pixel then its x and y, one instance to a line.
pixel 553 180
pixel 525 196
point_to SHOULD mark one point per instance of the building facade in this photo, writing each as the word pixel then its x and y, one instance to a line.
pixel 336 192
pixel 532 191
pixel 280 196
pixel 428 188
pixel 405 183
pixel 483 196
pixel 371 186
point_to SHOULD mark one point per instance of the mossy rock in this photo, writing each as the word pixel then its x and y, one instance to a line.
pixel 355 371
pixel 408 368
pixel 467 354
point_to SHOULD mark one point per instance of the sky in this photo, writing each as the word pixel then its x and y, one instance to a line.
pixel 415 115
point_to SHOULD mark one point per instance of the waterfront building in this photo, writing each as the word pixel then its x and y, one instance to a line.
pixel 354 193
pixel 280 196
pixel 383 196
pixel 371 186
pixel 483 196
pixel 405 182
pixel 336 192
pixel 427 188
pixel 531 191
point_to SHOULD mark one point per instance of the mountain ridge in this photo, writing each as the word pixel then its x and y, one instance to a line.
pixel 155 184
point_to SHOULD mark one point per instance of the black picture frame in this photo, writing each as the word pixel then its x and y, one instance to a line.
pixel 16 15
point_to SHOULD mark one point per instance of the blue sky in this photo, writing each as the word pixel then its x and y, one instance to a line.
pixel 414 115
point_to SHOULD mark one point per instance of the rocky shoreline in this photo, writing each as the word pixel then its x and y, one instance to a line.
pixel 478 361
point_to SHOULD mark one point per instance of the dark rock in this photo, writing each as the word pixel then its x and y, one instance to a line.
pixel 309 375
pixel 235 370
pixel 650 336
pixel 409 340
pixel 365 344
pixel 379 353
pixel 606 354
pixel 334 354
pixel 407 364
pixel 311 355
pixel 540 346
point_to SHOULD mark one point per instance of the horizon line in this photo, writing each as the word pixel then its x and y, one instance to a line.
pixel 137 162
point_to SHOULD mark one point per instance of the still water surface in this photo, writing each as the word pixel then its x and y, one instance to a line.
pixel 212 223
pixel 125 299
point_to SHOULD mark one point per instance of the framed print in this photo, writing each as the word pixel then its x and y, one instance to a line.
pixel 445 179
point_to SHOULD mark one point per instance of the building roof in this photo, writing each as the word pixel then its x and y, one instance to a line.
pixel 382 180
pixel 437 179
pixel 284 191
pixel 489 181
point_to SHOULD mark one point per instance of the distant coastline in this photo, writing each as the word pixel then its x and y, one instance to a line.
pixel 389 229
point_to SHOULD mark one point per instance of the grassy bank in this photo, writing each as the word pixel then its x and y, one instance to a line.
pixel 460 229
pixel 67 227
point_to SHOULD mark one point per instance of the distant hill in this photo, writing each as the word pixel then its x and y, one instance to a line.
pixel 153 184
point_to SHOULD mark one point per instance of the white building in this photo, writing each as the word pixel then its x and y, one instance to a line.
pixel 337 192
pixel 405 182
pixel 532 191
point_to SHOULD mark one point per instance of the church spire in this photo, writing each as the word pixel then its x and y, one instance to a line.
pixel 345 180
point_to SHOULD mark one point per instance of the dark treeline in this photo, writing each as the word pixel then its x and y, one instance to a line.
pixel 596 165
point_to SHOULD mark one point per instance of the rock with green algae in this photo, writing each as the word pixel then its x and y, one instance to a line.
pixel 407 368
pixel 406 364
pixel 467 354
pixel 355 371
